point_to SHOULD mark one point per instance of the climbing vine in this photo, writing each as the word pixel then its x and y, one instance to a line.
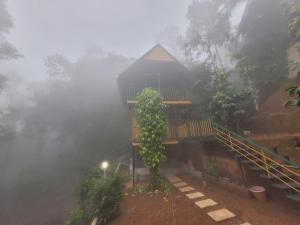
pixel 150 112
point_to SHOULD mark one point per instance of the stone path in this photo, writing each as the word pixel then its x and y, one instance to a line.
pixel 205 203
pixel 195 195
pixel 221 215
pixel 180 184
pixel 202 201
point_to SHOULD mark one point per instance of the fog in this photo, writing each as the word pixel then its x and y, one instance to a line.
pixel 69 27
pixel 60 108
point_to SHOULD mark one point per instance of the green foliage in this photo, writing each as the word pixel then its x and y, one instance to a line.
pixel 294 92
pixel 227 104
pixel 7 50
pixel 293 13
pixel 150 111
pixel 99 197
pixel 89 179
pixel 139 189
pixel 78 217
pixel 258 47
pixel 209 28
pixel 104 196
pixel 261 57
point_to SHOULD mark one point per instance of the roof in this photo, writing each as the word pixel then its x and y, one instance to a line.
pixel 156 61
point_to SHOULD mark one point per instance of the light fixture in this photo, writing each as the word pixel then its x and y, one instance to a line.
pixel 104 165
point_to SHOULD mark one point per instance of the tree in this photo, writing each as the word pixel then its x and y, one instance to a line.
pixel 209 30
pixel 58 67
pixel 150 111
pixel 293 14
pixel 7 50
pixel 170 38
pixel 261 58
pixel 227 104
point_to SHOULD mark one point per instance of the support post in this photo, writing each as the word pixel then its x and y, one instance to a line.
pixel 230 141
pixel 243 173
pixel 266 164
pixel 133 167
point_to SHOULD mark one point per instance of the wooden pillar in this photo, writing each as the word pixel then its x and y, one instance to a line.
pixel 133 166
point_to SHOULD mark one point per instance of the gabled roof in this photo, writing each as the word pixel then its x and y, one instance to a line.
pixel 157 55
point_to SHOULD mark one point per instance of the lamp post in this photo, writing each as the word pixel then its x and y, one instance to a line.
pixel 104 165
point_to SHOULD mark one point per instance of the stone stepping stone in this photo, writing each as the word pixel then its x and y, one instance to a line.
pixel 245 224
pixel 174 179
pixel 186 189
pixel 180 184
pixel 205 203
pixel 195 195
pixel 221 215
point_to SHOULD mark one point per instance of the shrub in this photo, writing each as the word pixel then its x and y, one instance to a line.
pixel 78 217
pixel 104 196
pixel 99 197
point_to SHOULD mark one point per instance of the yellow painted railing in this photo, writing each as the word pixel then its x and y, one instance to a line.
pixel 171 133
pixel 273 165
pixel 168 94
pixel 191 128
pixel 195 128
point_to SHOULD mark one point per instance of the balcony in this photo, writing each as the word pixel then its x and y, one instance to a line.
pixel 180 130
pixel 172 96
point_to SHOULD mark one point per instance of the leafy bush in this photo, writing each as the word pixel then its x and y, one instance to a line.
pixel 78 217
pixel 104 196
pixel 99 197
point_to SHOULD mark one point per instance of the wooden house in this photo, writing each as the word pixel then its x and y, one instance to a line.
pixel 199 144
pixel 160 70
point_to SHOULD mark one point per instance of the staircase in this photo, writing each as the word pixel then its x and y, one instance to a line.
pixel 283 173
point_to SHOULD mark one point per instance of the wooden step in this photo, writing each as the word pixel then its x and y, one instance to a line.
pixel 283 186
pixel 256 168
pixel 277 175
pixel 247 161
pixel 295 197
pixel 248 155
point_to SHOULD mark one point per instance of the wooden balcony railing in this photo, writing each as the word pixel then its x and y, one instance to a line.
pixel 177 131
pixel 170 95
pixel 195 128
pixel 171 134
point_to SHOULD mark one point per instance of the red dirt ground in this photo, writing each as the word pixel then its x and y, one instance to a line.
pixel 146 210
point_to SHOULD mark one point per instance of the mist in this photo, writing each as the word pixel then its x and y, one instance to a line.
pixel 60 107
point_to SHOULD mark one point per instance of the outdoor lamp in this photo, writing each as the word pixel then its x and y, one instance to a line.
pixel 104 165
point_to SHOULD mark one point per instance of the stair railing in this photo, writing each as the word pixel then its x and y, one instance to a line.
pixel 260 157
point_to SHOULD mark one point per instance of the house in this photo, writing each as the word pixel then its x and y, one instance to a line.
pixel 160 70
pixel 197 142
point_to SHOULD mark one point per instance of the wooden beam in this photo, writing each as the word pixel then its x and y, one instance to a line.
pixel 168 142
pixel 173 102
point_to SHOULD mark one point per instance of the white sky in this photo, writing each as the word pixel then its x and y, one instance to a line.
pixel 68 27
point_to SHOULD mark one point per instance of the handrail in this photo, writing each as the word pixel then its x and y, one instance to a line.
pixel 220 136
pixel 270 172
pixel 167 93
pixel 297 166
pixel 269 159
